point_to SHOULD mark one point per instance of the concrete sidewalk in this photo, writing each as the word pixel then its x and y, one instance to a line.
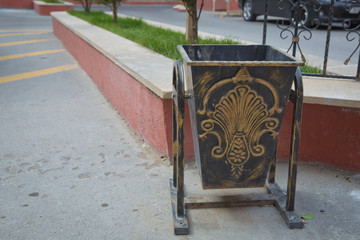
pixel 70 168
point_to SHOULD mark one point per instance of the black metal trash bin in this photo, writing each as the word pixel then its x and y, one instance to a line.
pixel 237 97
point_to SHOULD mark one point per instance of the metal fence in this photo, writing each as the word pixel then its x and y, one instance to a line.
pixel 297 28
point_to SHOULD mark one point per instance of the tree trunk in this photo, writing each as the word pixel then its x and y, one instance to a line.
pixel 188 33
pixel 194 27
pixel 191 25
pixel 87 5
pixel 114 9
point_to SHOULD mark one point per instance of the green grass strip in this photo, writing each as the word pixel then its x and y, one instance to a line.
pixel 158 39
pixel 52 1
pixel 310 69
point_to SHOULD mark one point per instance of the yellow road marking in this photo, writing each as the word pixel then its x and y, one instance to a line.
pixel 22 34
pixel 24 30
pixel 47 71
pixel 30 54
pixel 24 42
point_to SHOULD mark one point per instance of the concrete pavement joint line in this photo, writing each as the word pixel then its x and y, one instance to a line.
pixel 22 34
pixel 25 42
pixel 2 58
pixel 38 73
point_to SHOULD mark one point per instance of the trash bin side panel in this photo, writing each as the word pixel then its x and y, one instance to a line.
pixel 194 131
pixel 238 113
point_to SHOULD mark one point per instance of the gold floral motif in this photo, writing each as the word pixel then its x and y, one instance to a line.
pixel 239 120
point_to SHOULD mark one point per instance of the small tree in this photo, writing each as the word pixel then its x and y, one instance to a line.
pixel 192 19
pixel 113 4
pixel 86 4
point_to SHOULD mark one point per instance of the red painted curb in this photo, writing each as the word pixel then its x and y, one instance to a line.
pixel 219 5
pixel 25 4
pixel 149 3
pixel 329 135
pixel 45 10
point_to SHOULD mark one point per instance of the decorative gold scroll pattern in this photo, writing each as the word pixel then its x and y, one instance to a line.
pixel 239 120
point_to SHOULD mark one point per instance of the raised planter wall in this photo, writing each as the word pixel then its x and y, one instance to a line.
pixel 330 129
pixel 140 2
pixel 44 9
pixel 150 2
pixel 329 134
pixel 27 4
pixel 219 5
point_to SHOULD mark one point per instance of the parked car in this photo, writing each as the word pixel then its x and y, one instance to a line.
pixel 312 11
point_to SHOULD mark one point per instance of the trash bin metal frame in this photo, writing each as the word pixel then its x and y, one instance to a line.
pixel 275 196
pixel 181 226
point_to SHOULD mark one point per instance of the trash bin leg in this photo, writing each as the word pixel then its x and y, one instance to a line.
pixel 177 183
pixel 295 142
pixel 285 203
pixel 292 219
pixel 272 169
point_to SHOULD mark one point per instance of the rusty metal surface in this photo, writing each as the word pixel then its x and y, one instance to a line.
pixel 292 219
pixel 230 201
pixel 181 225
pixel 178 152
pixel 236 112
pixel 178 138
pixel 221 55
pixel 295 141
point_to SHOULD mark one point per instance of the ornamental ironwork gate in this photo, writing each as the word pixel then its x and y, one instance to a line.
pixel 297 30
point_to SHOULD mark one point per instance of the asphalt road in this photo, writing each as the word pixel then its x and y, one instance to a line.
pixel 30 52
pixel 236 27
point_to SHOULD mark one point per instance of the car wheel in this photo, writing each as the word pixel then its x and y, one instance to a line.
pixel 248 12
pixel 306 17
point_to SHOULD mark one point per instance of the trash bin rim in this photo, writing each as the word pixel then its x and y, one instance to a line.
pixel 187 61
